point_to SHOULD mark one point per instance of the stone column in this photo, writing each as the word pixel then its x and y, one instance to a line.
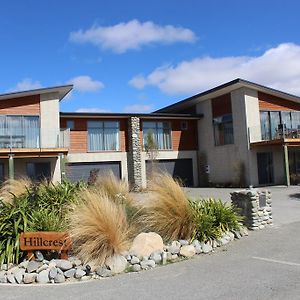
pixel 255 206
pixel 134 159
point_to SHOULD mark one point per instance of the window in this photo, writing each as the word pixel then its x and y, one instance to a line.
pixel 161 132
pixel 70 124
pixel 223 130
pixel 19 131
pixel 275 124
pixel 103 136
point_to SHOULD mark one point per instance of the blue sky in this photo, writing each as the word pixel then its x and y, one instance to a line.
pixel 137 56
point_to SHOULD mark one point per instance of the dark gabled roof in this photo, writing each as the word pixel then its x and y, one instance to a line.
pixel 225 88
pixel 62 90
pixel 127 115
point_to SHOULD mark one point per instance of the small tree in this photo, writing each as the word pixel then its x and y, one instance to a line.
pixel 151 149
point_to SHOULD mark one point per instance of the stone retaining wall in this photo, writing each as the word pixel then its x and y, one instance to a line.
pixel 255 206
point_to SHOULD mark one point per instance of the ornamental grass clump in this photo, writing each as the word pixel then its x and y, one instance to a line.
pixel 14 188
pixel 98 227
pixel 168 213
pixel 115 188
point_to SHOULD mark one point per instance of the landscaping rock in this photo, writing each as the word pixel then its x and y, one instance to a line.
pixel 147 264
pixel 76 262
pixel 164 258
pixel 197 246
pixel 156 256
pixel 59 278
pixel 39 256
pixel 174 257
pixel 42 268
pixel 43 277
pixel 183 242
pixel 79 273
pixel 136 268
pixel 224 241
pixel 29 278
pixel 52 264
pixel 145 243
pixel 24 264
pixel 134 260
pixel 117 264
pixel 3 277
pixel 63 264
pixel 52 273
pixel 187 251
pixel 11 278
pixel 104 272
pixel 206 248
pixel 175 247
pixel 237 234
pixel 128 257
pixel 33 266
pixel 19 275
pixel 70 273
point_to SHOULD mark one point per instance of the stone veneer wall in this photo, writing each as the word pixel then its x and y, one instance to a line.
pixel 134 159
pixel 257 215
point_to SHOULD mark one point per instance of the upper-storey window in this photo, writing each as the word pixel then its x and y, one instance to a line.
pixel 103 135
pixel 223 130
pixel 19 131
pixel 161 134
pixel 70 124
pixel 278 124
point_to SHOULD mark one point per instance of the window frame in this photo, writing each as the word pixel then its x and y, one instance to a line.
pixel 216 129
pixel 103 127
pixel 155 132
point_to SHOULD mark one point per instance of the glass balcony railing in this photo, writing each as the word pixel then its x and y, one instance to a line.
pixel 34 138
pixel 257 134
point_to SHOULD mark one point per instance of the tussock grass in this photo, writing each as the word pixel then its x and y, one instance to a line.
pixel 14 188
pixel 168 213
pixel 98 227
pixel 115 188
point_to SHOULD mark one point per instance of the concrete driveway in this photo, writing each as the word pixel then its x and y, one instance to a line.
pixel 265 265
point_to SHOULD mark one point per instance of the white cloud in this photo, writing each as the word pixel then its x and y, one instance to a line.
pixel 138 108
pixel 278 67
pixel 132 35
pixel 25 85
pixel 85 83
pixel 92 110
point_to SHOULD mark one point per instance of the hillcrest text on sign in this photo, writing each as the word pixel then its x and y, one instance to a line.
pixel 42 240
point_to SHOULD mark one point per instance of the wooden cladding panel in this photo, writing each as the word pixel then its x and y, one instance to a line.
pixel 29 105
pixel 181 139
pixel 221 105
pixel 269 102
pixel 79 135
pixel 184 139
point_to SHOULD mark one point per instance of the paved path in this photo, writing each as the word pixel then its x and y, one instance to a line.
pixel 265 265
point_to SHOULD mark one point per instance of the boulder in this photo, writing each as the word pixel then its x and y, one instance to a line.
pixel 145 243
pixel 104 272
pixel 206 248
pixel 11 278
pixel 117 263
pixel 52 273
pixel 70 273
pixel 136 268
pixel 3 278
pixel 79 273
pixel 134 260
pixel 187 251
pixel 175 247
pixel 39 256
pixel 59 278
pixel 156 256
pixel 19 275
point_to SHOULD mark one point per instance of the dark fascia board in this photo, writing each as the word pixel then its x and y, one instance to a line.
pixel 63 90
pixel 126 115
pixel 236 82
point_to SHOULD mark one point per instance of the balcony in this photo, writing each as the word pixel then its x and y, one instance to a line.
pixel 279 135
pixel 35 139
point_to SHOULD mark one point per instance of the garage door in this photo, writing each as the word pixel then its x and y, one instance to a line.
pixel 177 168
pixel 81 171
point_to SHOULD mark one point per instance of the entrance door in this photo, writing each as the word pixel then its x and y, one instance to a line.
pixel 265 168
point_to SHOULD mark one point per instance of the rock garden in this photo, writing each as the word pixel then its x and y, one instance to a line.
pixel 111 233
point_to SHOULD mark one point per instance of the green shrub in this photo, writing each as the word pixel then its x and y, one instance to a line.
pixel 212 218
pixel 41 207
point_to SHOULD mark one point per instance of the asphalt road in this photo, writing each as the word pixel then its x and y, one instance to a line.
pixel 264 265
